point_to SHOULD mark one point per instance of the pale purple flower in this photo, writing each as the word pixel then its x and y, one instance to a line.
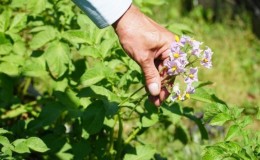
pixel 175 47
pixel 176 55
pixel 177 93
pixel 189 90
pixel 206 58
pixel 185 39
pixel 183 60
pixel 196 48
pixel 174 67
pixel 192 76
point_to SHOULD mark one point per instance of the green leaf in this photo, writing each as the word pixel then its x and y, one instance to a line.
pixel 20 146
pixel 4 141
pixel 36 6
pixel 154 2
pixel 76 36
pixel 49 114
pixel 68 98
pixel 93 117
pixel 5 48
pixel 18 23
pixel 81 153
pixel 6 151
pixel 93 75
pixel 43 37
pixel 179 28
pixel 19 48
pixel 89 51
pixel 5 18
pixel 220 119
pixel 57 57
pixel 9 69
pixel 149 120
pixel 106 46
pixel 18 110
pixel 36 144
pixel 213 152
pixel 18 3
pixel 99 92
pixel 140 153
pixel 70 101
pixel 202 95
pixel 3 131
pixel 34 67
pixel 14 59
pixel 6 89
pixel 232 131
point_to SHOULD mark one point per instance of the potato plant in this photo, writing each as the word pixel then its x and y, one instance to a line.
pixel 68 91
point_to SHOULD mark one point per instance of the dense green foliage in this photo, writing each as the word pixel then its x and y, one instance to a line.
pixel 68 91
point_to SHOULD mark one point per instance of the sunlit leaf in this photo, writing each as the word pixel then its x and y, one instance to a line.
pixel 232 131
pixel 149 120
pixel 36 144
pixel 76 36
pixel 5 18
pixel 214 152
pixel 93 75
pixel 36 6
pixel 3 131
pixel 20 146
pixel 220 119
pixel 18 23
pixel 106 45
pixel 42 37
pixel 4 141
pixel 57 57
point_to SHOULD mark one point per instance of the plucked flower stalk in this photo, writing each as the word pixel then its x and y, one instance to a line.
pixel 185 52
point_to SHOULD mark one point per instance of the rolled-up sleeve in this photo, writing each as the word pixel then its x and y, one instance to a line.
pixel 103 12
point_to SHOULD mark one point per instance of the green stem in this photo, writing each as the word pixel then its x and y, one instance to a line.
pixel 119 138
pixel 139 101
pixel 111 148
pixel 132 135
pixel 130 96
pixel 26 85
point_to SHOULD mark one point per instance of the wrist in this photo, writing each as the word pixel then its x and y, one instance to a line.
pixel 129 18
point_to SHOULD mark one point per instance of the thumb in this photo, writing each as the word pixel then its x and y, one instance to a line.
pixel 152 77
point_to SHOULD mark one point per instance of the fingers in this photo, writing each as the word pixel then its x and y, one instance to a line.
pixel 152 77
pixel 157 100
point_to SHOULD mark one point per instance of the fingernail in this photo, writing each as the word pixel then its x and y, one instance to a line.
pixel 154 89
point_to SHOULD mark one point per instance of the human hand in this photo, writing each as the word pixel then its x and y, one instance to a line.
pixel 148 44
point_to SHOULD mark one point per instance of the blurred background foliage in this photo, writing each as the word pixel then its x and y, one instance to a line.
pixel 232 29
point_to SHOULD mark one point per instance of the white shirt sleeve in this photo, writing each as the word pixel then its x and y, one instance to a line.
pixel 103 12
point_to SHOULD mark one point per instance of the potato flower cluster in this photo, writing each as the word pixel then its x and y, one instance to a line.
pixel 183 58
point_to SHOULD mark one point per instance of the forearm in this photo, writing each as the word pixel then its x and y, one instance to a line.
pixel 103 12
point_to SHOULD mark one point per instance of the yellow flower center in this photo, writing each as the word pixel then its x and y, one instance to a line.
pixel 179 97
pixel 191 75
pixel 187 95
pixel 177 39
pixel 174 68
pixel 205 60
pixel 176 55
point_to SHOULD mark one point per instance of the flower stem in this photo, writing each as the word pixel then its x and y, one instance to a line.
pixel 132 135
pixel 121 104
